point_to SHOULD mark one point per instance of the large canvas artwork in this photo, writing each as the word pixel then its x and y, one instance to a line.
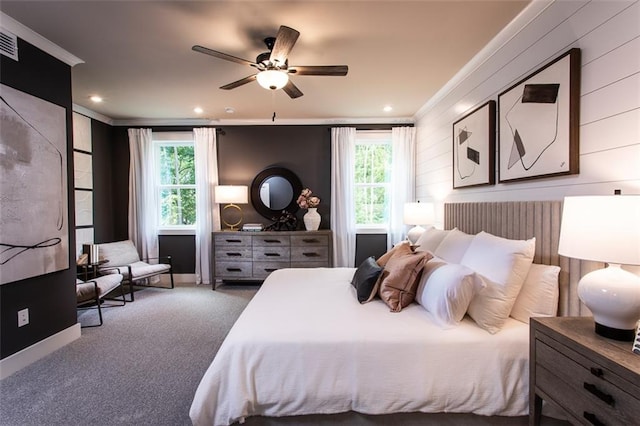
pixel 474 138
pixel 539 122
pixel 34 233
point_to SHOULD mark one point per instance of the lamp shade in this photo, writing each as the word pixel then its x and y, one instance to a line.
pixel 235 194
pixel 603 228
pixel 418 214
pixel 272 79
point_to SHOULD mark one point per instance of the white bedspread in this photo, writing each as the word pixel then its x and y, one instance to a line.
pixel 305 345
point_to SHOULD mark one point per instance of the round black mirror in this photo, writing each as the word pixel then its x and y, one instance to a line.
pixel 275 189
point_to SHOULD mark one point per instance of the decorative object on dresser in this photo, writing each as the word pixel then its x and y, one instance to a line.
pixel 593 380
pixel 285 222
pixel 232 195
pixel 474 141
pixel 606 229
pixel 539 122
pixel 252 256
pixel 417 214
pixel 306 200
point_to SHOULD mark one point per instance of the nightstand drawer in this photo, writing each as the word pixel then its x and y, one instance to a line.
pixel 271 241
pixel 309 240
pixel 225 240
pixel 271 254
pixel 262 269
pixel 310 254
pixel 231 270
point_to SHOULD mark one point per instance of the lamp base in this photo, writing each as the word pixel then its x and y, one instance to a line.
pixel 615 333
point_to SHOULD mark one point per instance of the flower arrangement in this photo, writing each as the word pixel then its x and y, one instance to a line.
pixel 306 200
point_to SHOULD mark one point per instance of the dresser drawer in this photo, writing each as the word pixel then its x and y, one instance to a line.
pixel 586 386
pixel 271 241
pixel 262 269
pixel 310 254
pixel 233 253
pixel 323 264
pixel 271 254
pixel 231 270
pixel 309 240
pixel 231 240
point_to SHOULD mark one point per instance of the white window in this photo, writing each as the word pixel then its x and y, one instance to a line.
pixel 372 177
pixel 175 180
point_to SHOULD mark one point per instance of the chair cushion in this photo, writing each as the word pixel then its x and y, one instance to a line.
pixel 141 270
pixel 107 283
pixel 85 292
pixel 118 253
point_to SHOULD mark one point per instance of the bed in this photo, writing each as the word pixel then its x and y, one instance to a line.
pixel 305 345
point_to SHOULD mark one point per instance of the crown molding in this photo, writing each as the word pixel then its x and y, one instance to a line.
pixel 32 37
pixel 92 114
pixel 517 25
pixel 262 122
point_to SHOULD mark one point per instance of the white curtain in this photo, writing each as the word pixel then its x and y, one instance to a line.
pixel 207 214
pixel 343 222
pixel 402 180
pixel 143 218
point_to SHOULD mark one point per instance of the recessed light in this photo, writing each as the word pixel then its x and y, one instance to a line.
pixel 229 110
pixel 197 110
pixel 387 108
pixel 95 98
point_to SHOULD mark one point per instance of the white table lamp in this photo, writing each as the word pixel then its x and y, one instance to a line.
pixel 417 214
pixel 606 229
pixel 231 195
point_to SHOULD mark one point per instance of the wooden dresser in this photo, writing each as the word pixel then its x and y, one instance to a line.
pixel 594 380
pixel 251 256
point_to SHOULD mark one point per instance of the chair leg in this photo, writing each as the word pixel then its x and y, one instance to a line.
pixel 171 273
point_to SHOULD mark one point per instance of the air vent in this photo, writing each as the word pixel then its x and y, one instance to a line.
pixel 8 44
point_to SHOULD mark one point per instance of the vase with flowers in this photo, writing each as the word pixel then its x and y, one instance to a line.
pixel 306 200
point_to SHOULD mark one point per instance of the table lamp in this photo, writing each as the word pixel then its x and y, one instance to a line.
pixel 232 195
pixel 417 214
pixel 606 229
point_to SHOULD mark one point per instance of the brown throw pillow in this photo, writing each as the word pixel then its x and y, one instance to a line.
pixel 400 278
pixel 399 248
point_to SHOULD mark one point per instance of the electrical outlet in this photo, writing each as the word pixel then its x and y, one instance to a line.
pixel 23 317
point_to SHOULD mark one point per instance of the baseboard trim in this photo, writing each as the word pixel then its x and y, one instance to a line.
pixel 165 279
pixel 33 353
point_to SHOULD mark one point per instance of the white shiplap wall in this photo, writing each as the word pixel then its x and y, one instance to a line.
pixel 608 34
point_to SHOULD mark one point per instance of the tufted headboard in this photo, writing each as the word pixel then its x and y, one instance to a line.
pixel 522 220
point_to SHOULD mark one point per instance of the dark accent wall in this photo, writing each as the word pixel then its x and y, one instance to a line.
pixel 51 298
pixel 104 159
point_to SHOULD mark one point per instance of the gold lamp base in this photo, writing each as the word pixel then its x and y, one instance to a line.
pixel 232 226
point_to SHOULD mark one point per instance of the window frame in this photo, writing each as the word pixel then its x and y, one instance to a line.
pixel 373 137
pixel 159 140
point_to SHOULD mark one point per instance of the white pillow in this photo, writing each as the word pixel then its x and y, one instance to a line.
pixel 453 246
pixel 430 239
pixel 539 294
pixel 504 265
pixel 446 289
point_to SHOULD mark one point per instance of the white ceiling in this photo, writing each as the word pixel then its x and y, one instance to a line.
pixel 137 54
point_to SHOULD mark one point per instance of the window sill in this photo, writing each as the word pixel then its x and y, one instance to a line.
pixel 371 230
pixel 177 231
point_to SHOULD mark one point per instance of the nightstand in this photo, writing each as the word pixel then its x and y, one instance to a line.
pixel 593 380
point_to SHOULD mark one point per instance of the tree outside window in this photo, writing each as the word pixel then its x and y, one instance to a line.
pixel 176 184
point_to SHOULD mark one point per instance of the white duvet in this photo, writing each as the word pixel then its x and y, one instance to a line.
pixel 305 345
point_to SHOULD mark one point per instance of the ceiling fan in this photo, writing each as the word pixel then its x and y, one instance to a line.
pixel 273 66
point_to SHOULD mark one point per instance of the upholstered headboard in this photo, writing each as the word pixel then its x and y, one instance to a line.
pixel 523 220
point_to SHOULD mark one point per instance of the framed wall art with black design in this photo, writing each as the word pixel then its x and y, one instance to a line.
pixel 474 137
pixel 539 120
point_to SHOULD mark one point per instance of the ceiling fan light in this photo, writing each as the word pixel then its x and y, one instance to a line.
pixel 272 79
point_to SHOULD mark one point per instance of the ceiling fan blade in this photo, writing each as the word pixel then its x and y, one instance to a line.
pixel 239 83
pixel 337 70
pixel 224 56
pixel 291 90
pixel 285 39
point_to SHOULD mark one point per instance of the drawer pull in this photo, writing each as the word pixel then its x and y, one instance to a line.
pixel 272 254
pixel 310 240
pixel 234 254
pixel 234 270
pixel 233 241
pixel 310 254
pixel 592 419
pixel 597 371
pixel 599 394
pixel 272 241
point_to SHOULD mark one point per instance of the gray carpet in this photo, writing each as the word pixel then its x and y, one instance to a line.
pixel 143 365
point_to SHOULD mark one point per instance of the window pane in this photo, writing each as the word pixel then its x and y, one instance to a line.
pixel 371 205
pixel 188 198
pixel 373 163
pixel 177 206
pixel 167 165
pixel 185 165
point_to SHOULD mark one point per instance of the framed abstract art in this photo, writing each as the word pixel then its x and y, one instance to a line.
pixel 474 138
pixel 539 122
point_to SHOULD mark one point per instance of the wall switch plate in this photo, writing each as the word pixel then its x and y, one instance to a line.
pixel 23 317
